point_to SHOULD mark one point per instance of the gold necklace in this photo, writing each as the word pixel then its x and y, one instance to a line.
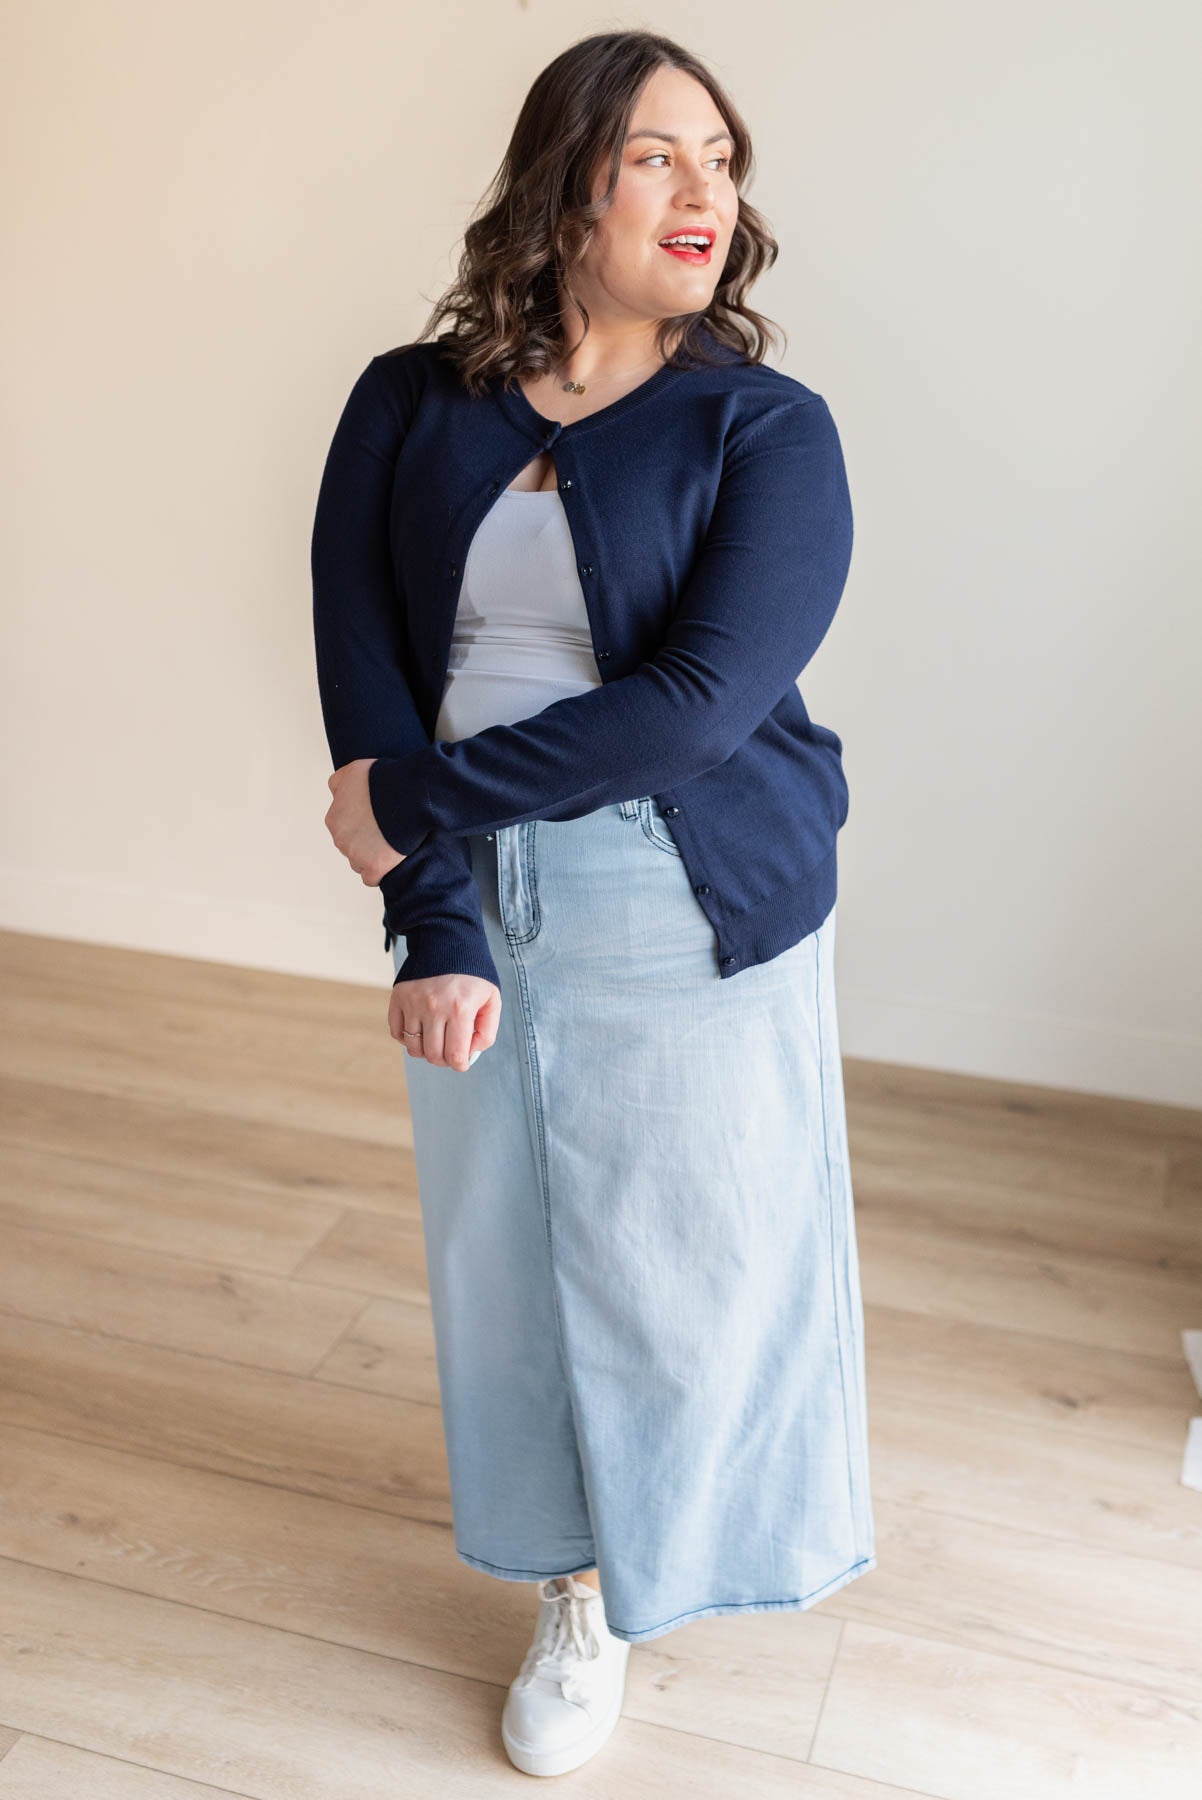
pixel 578 387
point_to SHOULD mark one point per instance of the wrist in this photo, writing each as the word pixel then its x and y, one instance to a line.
pixel 396 787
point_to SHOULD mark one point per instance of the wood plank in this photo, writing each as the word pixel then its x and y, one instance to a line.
pixel 958 1722
pixel 1079 1299
pixel 175 1302
pixel 173 1137
pixel 311 1437
pixel 1073 1489
pixel 942 1095
pixel 180 1212
pixel 988 1585
pixel 372 1252
pixel 388 1350
pixel 1079 1390
pixel 271 1049
pixel 38 1768
pixel 996 1211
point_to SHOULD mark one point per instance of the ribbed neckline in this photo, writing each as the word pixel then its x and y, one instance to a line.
pixel 523 412
pixel 513 401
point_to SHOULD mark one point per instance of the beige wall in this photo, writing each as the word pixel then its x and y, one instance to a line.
pixel 216 214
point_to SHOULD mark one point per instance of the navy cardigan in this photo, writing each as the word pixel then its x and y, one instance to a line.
pixel 710 513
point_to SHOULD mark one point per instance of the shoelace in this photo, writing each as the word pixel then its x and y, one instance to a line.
pixel 566 1638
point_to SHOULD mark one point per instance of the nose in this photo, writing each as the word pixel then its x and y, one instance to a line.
pixel 696 197
pixel 697 181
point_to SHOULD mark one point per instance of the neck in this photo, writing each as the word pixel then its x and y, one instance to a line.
pixel 610 353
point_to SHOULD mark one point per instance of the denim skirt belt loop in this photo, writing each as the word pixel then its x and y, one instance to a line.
pixel 640 1244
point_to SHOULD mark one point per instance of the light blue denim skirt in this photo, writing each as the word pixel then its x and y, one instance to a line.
pixel 640 1244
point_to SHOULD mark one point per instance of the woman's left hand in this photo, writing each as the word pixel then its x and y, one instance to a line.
pixel 352 823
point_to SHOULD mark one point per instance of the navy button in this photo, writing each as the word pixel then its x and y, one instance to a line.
pixel 727 960
pixel 670 812
pixel 493 486
pixel 601 655
pixel 567 483
pixel 703 889
pixel 586 568
pixel 454 569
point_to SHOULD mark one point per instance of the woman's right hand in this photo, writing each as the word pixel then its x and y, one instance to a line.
pixel 445 1019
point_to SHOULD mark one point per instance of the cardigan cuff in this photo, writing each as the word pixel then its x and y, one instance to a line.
pixel 446 947
pixel 397 789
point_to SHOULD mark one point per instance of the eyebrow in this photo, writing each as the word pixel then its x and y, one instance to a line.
pixel 670 137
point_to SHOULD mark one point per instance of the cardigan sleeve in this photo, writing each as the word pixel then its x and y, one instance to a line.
pixel 754 608
pixel 431 899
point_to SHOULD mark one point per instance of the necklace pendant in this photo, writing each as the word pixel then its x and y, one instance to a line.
pixel 573 387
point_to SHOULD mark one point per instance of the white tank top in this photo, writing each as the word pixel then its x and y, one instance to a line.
pixel 521 637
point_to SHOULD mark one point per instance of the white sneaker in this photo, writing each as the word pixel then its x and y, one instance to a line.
pixel 567 1696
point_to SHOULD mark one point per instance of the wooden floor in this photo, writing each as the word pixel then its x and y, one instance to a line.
pixel 225 1558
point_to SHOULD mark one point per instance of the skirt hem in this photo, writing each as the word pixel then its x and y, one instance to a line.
pixel 795 1604
pixel 504 1574
pixel 799 1604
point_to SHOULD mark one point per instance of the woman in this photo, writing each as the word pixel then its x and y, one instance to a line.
pixel 569 560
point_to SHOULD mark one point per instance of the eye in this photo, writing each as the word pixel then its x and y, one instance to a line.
pixel 721 161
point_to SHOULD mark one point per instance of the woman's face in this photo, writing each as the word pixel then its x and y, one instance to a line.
pixel 675 177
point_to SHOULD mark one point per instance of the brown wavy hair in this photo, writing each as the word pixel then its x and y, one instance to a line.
pixel 537 217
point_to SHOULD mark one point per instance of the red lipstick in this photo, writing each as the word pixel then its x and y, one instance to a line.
pixel 686 251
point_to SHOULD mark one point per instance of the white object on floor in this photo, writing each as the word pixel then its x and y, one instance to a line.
pixel 567 1696
pixel 1191 1471
pixel 1192 1342
pixel 1191 1467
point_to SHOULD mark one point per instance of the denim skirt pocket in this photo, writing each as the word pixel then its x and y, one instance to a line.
pixel 655 826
